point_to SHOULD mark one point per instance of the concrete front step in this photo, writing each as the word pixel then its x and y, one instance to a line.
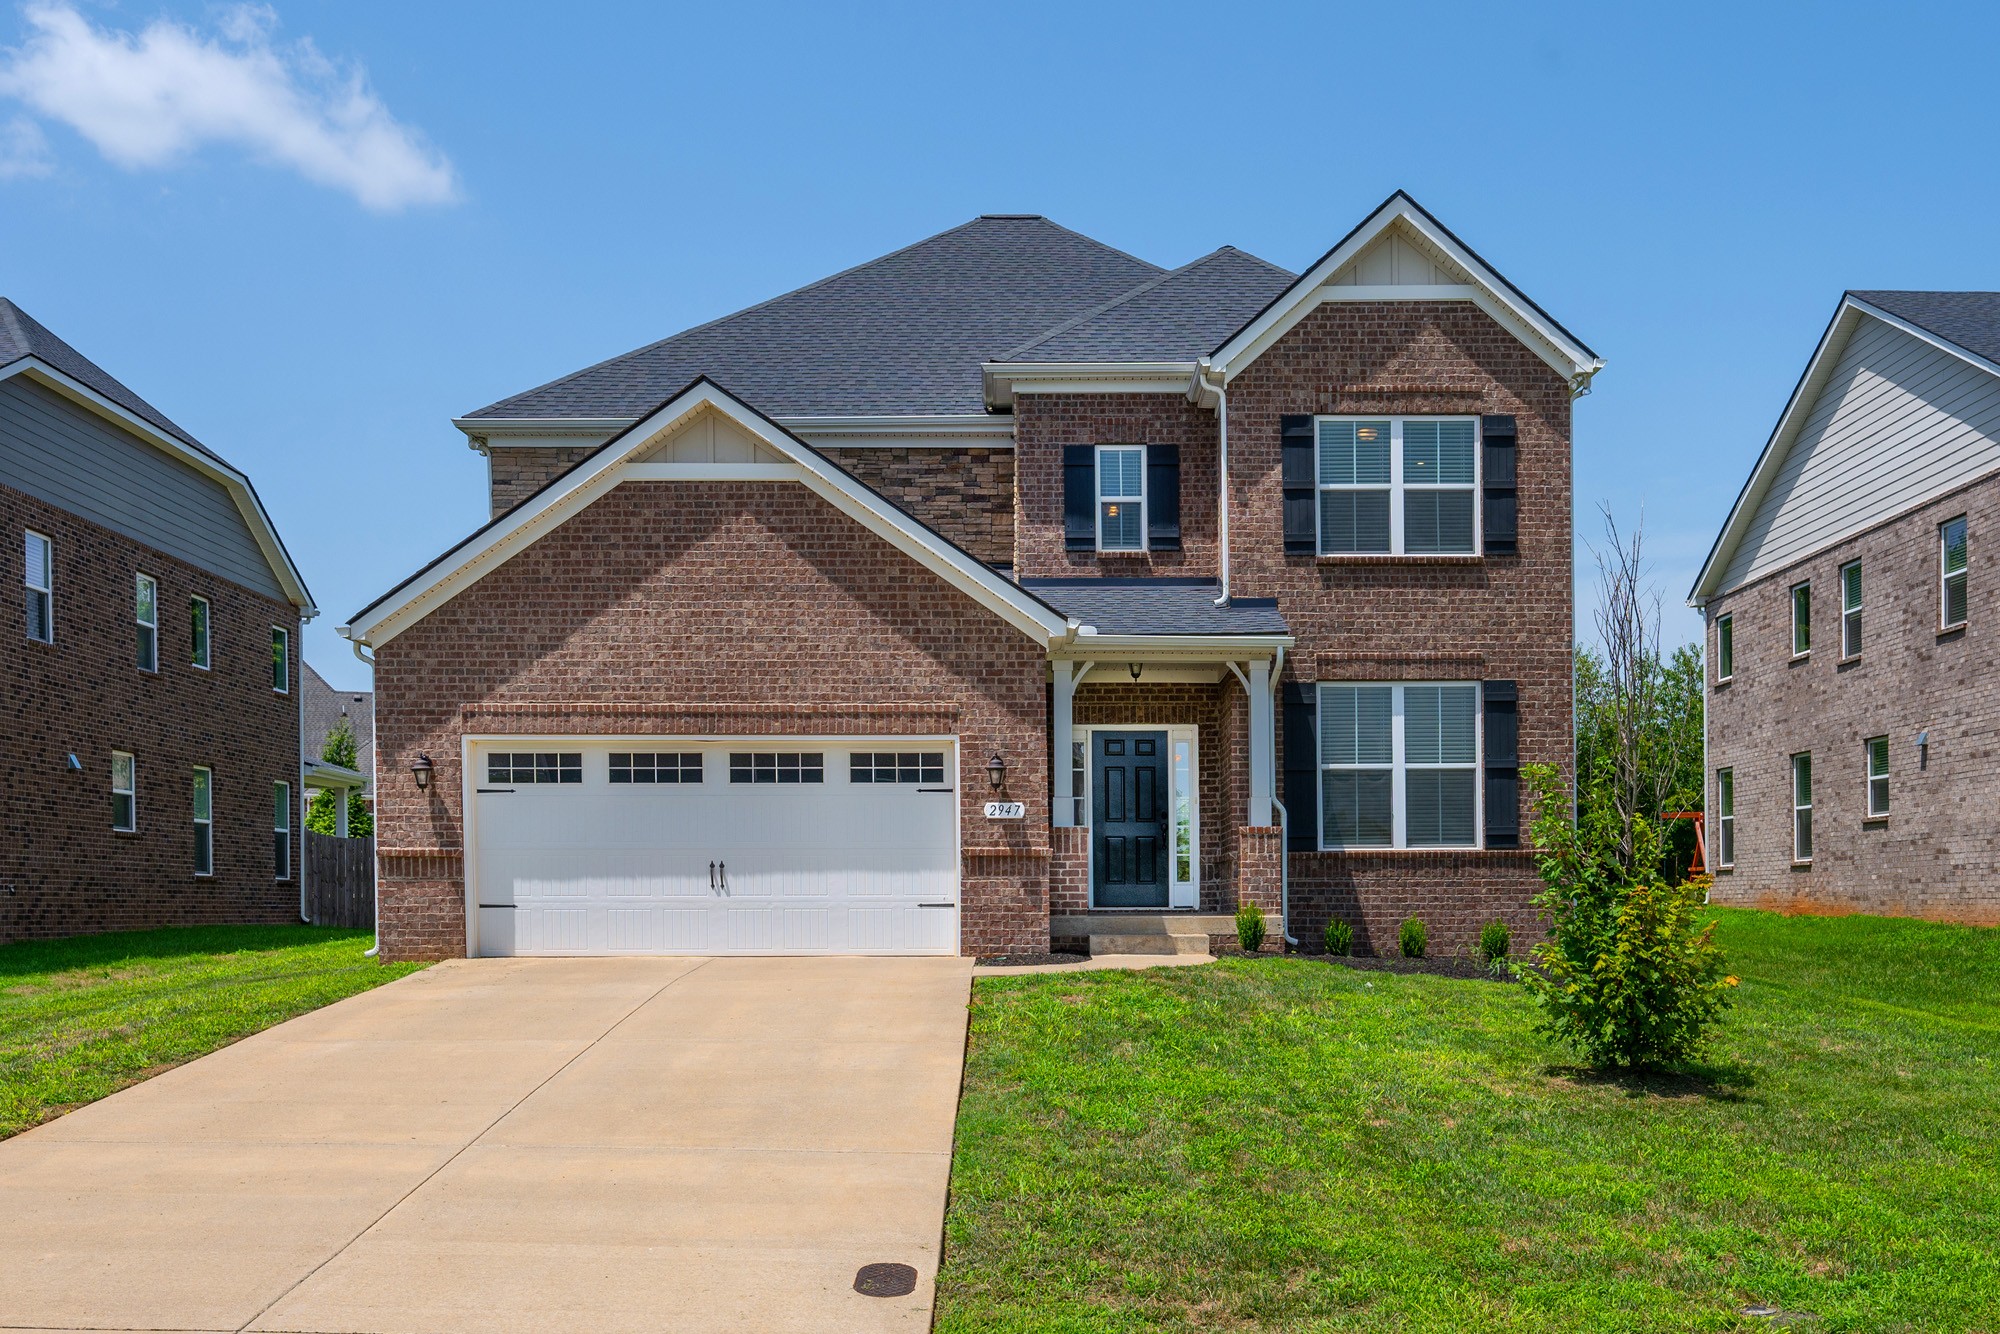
pixel 1157 933
pixel 1147 942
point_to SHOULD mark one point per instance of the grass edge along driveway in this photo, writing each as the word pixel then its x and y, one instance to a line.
pixel 85 1016
pixel 1285 1144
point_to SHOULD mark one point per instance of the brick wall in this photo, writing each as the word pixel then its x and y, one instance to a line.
pixel 62 869
pixel 1383 618
pixel 1937 854
pixel 515 472
pixel 1044 423
pixel 668 606
pixel 966 494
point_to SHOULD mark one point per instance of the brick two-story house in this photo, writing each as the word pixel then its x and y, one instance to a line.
pixel 1005 590
pixel 1851 756
pixel 149 763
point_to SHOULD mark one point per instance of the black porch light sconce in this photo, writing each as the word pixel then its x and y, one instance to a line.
pixel 420 769
pixel 1135 668
pixel 996 772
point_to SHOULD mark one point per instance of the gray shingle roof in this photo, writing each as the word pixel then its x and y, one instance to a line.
pixel 1177 316
pixel 1158 607
pixel 22 335
pixel 903 334
pixel 1969 319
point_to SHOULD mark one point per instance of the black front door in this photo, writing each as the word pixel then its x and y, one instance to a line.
pixel 1129 813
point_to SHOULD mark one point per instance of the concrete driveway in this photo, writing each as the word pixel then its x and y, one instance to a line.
pixel 590 1144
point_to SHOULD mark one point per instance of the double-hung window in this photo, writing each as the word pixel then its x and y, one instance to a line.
pixel 39 576
pixel 124 792
pixel 146 611
pixel 1725 648
pixel 1802 804
pixel 1850 610
pixel 281 660
pixel 1951 559
pixel 1399 765
pixel 1878 777
pixel 198 652
pixel 204 821
pixel 1801 620
pixel 281 829
pixel 1398 486
pixel 1121 497
pixel 1725 817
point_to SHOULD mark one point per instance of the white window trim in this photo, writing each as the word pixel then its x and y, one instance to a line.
pixel 1792 617
pixel 207 659
pixel 209 821
pixel 1725 632
pixel 132 791
pixel 1870 778
pixel 282 809
pixel 1798 808
pixel 286 688
pixel 1097 491
pixel 138 581
pixel 1180 893
pixel 1400 768
pixel 1849 615
pixel 47 588
pixel 1946 575
pixel 1725 819
pixel 1397 487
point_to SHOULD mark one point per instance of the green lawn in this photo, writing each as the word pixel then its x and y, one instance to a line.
pixel 83 1017
pixel 1284 1144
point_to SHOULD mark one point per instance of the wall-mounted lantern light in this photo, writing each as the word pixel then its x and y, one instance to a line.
pixel 996 772
pixel 420 769
pixel 1135 668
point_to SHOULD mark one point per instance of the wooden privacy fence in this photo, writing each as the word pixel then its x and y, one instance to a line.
pixel 340 880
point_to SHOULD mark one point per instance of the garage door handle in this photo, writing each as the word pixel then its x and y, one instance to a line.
pixel 725 877
pixel 711 877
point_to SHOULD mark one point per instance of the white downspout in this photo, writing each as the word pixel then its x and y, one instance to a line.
pixel 1201 375
pixel 1284 816
pixel 373 950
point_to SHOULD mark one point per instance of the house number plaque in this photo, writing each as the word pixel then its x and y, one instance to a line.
pixel 1006 810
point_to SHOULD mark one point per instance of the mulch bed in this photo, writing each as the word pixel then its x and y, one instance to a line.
pixel 1472 970
pixel 1021 960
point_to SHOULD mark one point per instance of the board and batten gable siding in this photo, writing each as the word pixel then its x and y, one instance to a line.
pixel 65 456
pixel 1899 422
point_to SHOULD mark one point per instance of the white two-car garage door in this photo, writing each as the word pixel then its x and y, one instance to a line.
pixel 656 845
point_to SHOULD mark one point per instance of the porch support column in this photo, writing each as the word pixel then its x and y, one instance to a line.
pixel 1062 804
pixel 1263 748
pixel 340 812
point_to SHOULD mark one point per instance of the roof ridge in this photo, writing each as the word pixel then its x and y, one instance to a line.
pixel 797 291
pixel 1150 284
pixel 11 316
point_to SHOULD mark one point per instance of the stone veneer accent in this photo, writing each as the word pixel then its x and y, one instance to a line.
pixel 515 472
pixel 63 871
pixel 966 494
pixel 1937 855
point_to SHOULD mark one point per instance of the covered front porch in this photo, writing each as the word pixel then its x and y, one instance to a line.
pixel 1162 782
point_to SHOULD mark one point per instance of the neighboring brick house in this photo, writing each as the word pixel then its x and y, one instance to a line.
pixel 1004 592
pixel 1853 699
pixel 150 762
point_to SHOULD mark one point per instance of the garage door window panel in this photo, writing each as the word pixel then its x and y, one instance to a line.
pixel 909 766
pixel 656 766
pixel 534 767
pixel 779 766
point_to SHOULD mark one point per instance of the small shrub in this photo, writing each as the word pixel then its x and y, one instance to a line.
pixel 1494 942
pixel 1250 928
pixel 1339 937
pixel 1413 938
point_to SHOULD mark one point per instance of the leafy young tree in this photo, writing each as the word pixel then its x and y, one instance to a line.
pixel 321 815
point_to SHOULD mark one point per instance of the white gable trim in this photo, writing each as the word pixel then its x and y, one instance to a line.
pixel 491 546
pixel 235 483
pixel 1487 289
pixel 1847 318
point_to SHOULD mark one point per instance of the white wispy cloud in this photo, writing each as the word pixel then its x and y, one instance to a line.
pixel 24 149
pixel 151 99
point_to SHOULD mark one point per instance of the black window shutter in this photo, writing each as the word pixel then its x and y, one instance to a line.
pixel 1301 738
pixel 1499 523
pixel 1503 764
pixel 1301 514
pixel 1080 497
pixel 1163 497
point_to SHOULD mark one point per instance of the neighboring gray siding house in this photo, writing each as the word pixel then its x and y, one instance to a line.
pixel 1853 691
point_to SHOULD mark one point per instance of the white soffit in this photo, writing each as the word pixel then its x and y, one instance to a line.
pixel 237 484
pixel 1402 253
pixel 702 434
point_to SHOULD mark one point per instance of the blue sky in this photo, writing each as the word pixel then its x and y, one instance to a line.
pixel 314 233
